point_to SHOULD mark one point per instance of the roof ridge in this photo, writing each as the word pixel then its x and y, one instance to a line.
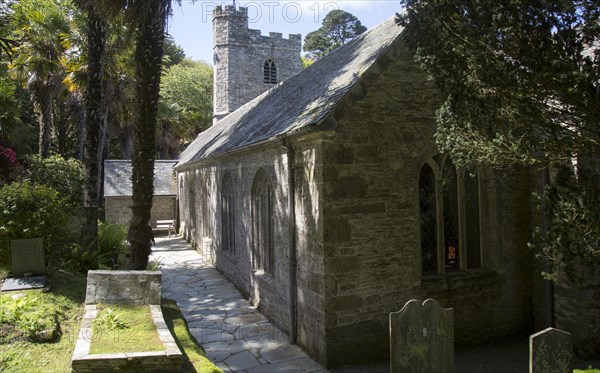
pixel 299 102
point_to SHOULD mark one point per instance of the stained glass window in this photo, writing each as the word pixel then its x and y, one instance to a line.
pixel 428 220
pixel 451 237
pixel 450 205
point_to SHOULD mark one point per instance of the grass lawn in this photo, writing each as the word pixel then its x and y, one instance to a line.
pixel 66 300
pixel 66 297
pixel 124 328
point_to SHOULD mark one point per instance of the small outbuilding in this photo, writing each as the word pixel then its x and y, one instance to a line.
pixel 118 191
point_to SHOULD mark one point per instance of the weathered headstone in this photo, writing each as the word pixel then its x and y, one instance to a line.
pixel 550 351
pixel 27 256
pixel 422 338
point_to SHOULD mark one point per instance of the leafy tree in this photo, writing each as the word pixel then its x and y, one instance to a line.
pixel 337 29
pixel 185 106
pixel 520 82
pixel 174 54
pixel 306 62
pixel 63 175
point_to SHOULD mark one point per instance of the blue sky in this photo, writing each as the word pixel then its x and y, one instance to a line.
pixel 191 24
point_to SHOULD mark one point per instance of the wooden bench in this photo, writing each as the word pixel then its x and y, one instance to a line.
pixel 164 225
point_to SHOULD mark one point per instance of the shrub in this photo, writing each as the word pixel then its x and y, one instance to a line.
pixel 28 210
pixel 8 162
pixel 111 236
pixel 64 175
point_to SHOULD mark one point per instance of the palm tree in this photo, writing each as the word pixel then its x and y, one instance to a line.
pixel 149 18
pixel 148 55
pixel 39 61
pixel 94 119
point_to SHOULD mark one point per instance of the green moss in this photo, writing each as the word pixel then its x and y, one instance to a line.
pixel 194 358
pixel 124 328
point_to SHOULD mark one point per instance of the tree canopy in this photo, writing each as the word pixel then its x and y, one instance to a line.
pixel 518 79
pixel 520 85
pixel 337 29
pixel 185 105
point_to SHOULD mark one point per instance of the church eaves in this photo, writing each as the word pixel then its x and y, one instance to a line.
pixel 305 102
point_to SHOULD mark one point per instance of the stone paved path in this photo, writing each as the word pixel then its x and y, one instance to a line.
pixel 234 334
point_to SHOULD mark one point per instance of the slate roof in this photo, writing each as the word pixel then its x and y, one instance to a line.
pixel 117 178
pixel 302 102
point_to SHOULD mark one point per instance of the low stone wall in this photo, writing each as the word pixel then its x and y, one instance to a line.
pixel 168 360
pixel 123 287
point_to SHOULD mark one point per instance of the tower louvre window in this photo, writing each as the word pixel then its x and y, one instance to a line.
pixel 270 72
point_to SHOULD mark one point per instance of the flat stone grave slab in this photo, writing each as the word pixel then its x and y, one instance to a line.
pixel 24 283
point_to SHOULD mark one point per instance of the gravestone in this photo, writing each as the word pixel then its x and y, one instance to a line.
pixel 422 338
pixel 27 256
pixel 550 351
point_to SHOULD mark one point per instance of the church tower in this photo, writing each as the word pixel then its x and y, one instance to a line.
pixel 246 63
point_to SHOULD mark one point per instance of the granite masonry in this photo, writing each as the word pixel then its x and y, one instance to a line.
pixel 140 288
pixel 327 203
pixel 247 63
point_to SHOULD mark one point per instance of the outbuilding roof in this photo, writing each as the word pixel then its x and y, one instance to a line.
pixel 303 102
pixel 117 178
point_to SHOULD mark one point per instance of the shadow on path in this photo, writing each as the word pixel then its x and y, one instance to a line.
pixel 234 334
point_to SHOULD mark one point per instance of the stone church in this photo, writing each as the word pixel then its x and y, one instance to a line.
pixel 322 196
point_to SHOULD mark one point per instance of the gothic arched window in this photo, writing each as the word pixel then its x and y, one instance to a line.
pixel 263 257
pixel 227 217
pixel 270 72
pixel 451 224
pixel 428 220
pixel 449 218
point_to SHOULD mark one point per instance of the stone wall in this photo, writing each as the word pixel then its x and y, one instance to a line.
pixel 239 57
pixel 202 216
pixel 118 209
pixel 358 233
pixel 202 188
pixel 372 235
pixel 123 287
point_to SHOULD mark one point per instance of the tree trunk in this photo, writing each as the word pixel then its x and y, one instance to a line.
pixel 148 57
pixel 46 119
pixel 126 143
pixel 93 124
pixel 79 114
